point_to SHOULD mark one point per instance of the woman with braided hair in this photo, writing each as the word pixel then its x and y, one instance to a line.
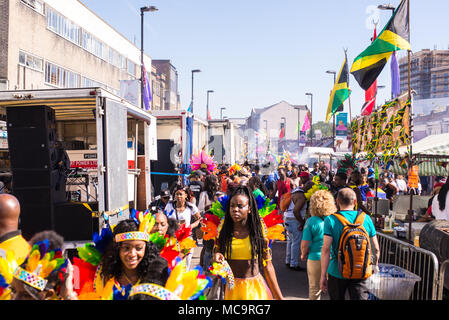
pixel 242 242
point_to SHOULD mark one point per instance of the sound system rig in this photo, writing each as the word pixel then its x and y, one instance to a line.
pixel 38 181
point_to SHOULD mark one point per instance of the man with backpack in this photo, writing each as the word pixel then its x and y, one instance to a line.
pixel 348 245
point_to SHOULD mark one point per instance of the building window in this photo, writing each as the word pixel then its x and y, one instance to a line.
pixel 131 68
pixel 94 46
pixel 36 5
pixel 28 60
pixel 122 62
pixel 60 77
pixel 63 26
pixel 114 57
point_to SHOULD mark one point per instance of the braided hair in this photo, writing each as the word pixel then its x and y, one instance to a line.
pixel 257 240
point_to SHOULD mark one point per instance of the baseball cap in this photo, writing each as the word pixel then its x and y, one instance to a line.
pixel 165 193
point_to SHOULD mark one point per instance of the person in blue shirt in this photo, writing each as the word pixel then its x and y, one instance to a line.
pixel 322 204
pixel 331 278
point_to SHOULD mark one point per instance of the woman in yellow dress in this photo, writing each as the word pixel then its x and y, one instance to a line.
pixel 242 241
pixel 126 261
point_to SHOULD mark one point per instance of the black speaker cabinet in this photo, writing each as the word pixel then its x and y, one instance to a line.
pixel 163 164
pixel 35 217
pixel 74 221
pixel 31 137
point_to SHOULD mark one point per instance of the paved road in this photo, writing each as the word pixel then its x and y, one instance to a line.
pixel 293 284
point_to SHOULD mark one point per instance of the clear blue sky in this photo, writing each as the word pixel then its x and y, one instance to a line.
pixel 255 53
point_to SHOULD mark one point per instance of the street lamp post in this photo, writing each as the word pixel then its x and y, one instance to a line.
pixel 333 118
pixel 207 106
pixel 142 11
pixel 311 112
pixel 193 72
pixel 221 112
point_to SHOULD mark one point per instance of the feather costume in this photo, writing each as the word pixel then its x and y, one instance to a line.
pixel 181 284
pixel 203 161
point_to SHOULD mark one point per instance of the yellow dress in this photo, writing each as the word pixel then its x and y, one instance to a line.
pixel 253 288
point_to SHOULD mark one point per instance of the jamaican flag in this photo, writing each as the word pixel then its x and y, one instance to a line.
pixel 395 36
pixel 340 92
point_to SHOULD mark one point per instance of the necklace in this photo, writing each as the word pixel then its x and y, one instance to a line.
pixel 127 279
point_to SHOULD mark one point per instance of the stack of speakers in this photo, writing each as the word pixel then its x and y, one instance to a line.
pixel 37 183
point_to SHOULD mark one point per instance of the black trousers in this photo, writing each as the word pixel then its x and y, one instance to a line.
pixel 337 288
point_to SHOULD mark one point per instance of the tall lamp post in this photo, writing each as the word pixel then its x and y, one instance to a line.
pixel 333 117
pixel 142 11
pixel 221 112
pixel 193 72
pixel 311 112
pixel 207 106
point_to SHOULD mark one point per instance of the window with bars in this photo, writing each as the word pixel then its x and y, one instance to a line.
pixel 63 26
pixel 60 77
pixel 131 68
pixel 36 5
pixel 31 61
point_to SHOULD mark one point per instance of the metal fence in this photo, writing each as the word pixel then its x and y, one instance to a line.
pixel 442 278
pixel 418 261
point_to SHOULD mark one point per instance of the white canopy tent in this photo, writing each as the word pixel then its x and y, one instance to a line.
pixel 432 154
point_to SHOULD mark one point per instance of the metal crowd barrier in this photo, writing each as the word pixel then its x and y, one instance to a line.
pixel 443 267
pixel 422 263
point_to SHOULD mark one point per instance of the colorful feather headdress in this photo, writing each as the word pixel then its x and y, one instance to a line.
pixel 316 186
pixel 203 161
pixel 145 221
pixel 40 264
pixel 270 217
pixel 180 285
pixel 234 168
pixel 347 165
pixel 8 265
pixel 91 254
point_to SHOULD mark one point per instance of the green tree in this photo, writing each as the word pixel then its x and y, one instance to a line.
pixel 326 128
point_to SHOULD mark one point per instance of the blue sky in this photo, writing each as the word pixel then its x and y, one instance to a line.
pixel 255 53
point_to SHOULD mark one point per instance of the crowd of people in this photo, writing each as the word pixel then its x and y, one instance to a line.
pixel 136 258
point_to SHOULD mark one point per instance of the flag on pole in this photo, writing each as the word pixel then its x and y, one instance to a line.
pixel 340 92
pixel 395 36
pixel 208 115
pixel 395 77
pixel 189 109
pixel 282 134
pixel 371 93
pixel 146 89
pixel 306 125
pixel 298 128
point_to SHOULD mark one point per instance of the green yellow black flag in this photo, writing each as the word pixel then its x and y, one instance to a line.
pixel 395 36
pixel 340 92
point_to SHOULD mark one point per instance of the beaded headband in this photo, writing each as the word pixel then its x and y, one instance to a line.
pixel 153 290
pixel 135 235
pixel 30 279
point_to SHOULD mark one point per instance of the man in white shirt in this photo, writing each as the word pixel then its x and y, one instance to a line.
pixel 401 184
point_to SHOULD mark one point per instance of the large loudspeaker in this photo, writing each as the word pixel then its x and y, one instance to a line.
pixel 163 164
pixel 33 155
pixel 31 137
pixel 74 221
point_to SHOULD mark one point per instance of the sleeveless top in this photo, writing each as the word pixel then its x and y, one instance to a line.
pixel 289 213
pixel 241 249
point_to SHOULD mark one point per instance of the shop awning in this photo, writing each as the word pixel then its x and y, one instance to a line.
pixel 432 154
